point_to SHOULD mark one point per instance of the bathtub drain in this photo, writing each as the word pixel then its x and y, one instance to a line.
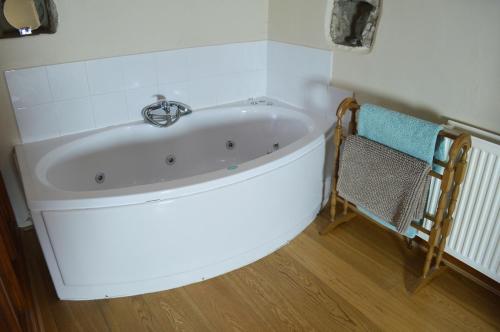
pixel 230 145
pixel 276 147
pixel 170 160
pixel 99 177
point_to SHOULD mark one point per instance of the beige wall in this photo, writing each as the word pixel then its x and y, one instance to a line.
pixel 94 29
pixel 298 22
pixel 435 59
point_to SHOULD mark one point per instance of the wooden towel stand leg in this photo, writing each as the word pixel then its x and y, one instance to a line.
pixel 335 221
pixel 452 178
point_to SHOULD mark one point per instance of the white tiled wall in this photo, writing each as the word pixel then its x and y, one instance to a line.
pixel 56 100
pixel 301 76
pixel 294 70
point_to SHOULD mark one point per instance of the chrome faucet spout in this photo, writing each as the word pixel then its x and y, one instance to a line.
pixel 164 113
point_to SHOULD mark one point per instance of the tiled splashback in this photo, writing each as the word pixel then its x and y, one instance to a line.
pixel 57 100
pixel 301 76
pixel 293 71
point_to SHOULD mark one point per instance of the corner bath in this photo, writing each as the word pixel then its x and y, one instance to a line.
pixel 133 209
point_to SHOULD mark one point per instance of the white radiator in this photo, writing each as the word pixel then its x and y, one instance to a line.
pixel 475 235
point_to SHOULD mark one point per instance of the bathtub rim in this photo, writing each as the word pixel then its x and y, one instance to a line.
pixel 43 198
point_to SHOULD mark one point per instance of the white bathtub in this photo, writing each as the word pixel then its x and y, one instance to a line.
pixel 153 224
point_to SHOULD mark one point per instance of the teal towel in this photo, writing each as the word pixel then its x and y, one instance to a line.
pixel 404 133
pixel 410 233
pixel 401 132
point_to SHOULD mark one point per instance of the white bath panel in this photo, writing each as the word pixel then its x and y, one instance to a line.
pixel 155 246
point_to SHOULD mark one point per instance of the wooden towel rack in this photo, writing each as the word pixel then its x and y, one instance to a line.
pixel 451 179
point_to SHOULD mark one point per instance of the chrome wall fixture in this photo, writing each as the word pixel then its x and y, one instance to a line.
pixel 164 113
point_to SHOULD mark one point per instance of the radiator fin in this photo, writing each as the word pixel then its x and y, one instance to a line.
pixel 475 235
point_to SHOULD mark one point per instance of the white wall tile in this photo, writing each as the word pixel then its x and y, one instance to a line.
pixel 272 84
pixel 105 75
pixel 68 80
pixel 236 58
pixel 299 75
pixel 317 97
pixel 285 88
pixel 275 85
pixel 110 109
pixel 139 71
pixel 172 66
pixel 294 91
pixel 258 81
pixel 259 55
pixel 37 123
pixel 175 91
pixel 203 92
pixel 74 115
pixel 234 87
pixel 312 64
pixel 28 87
pixel 299 61
pixel 137 99
pixel 243 57
pixel 204 62
pixel 280 57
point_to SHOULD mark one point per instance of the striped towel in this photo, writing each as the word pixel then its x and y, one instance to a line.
pixel 387 183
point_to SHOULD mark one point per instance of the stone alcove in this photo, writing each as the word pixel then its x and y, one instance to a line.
pixel 351 24
pixel 40 16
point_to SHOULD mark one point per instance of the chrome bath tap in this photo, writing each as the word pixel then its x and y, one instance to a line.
pixel 164 113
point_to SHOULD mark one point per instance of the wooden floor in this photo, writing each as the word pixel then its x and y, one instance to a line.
pixel 352 279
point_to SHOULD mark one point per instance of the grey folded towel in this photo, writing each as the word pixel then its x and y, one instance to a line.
pixel 387 183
